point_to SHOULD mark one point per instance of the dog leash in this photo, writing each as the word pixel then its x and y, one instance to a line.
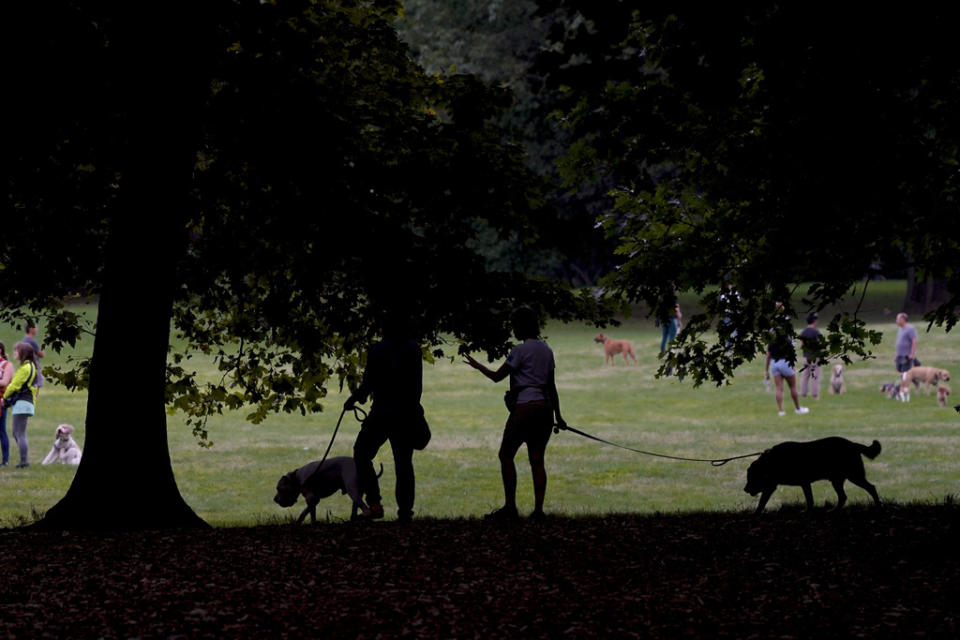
pixel 357 412
pixel 716 462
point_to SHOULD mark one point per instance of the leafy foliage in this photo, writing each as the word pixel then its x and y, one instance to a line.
pixel 498 41
pixel 335 185
pixel 758 148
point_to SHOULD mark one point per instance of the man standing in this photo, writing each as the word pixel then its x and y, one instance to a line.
pixel 906 347
pixel 811 338
pixel 394 376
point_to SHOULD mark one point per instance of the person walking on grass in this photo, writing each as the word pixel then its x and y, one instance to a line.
pixel 812 344
pixel 533 404
pixel 21 397
pixel 781 358
pixel 394 376
pixel 906 346
pixel 6 376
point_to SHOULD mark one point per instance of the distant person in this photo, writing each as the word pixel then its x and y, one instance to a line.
pixel 669 328
pixel 21 396
pixel 668 331
pixel 730 301
pixel 812 344
pixel 30 338
pixel 6 377
pixel 906 345
pixel 533 402
pixel 781 358
pixel 394 377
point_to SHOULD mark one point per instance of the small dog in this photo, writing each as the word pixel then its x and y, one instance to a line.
pixel 895 391
pixel 837 384
pixel 65 449
pixel 942 392
pixel 315 481
pixel 927 375
pixel 612 347
pixel 801 463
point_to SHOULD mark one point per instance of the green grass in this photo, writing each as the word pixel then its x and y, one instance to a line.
pixel 458 474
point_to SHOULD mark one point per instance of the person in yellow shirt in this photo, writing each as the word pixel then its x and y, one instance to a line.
pixel 21 397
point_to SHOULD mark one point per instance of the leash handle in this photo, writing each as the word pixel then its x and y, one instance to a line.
pixel 716 462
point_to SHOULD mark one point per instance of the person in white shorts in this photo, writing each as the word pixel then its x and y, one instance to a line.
pixel 781 357
pixel 530 367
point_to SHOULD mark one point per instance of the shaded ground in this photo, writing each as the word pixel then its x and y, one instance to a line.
pixel 857 573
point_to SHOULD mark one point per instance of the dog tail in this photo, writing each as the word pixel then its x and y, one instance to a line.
pixel 872 451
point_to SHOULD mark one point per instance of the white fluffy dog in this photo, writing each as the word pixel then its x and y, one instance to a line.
pixel 837 384
pixel 65 449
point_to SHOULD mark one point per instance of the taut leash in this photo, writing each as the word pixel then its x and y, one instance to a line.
pixel 357 412
pixel 716 462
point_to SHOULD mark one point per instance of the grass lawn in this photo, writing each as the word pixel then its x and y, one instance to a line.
pixel 458 474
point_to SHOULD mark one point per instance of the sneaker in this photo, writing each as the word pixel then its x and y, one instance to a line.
pixel 538 515
pixel 802 410
pixel 375 513
pixel 23 465
pixel 405 516
pixel 781 413
pixel 503 513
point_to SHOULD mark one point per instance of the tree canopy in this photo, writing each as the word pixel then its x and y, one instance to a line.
pixel 759 147
pixel 272 178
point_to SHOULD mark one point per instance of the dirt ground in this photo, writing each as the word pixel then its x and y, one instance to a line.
pixel 856 573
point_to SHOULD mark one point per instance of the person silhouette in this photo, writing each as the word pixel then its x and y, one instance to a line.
pixel 394 377
pixel 531 368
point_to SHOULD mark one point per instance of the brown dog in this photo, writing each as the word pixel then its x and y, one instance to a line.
pixel 927 375
pixel 802 463
pixel 612 347
pixel 942 392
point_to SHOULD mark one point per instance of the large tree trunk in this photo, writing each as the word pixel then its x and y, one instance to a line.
pixel 125 479
pixel 924 295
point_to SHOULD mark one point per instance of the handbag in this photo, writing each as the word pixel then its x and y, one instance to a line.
pixel 510 395
pixel 419 435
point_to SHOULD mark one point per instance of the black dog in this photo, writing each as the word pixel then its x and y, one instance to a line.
pixel 801 463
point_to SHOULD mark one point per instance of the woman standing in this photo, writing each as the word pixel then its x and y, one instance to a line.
pixel 533 403
pixel 6 376
pixel 21 395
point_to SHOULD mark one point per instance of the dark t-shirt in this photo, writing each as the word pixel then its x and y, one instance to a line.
pixel 394 376
pixel 811 337
pixel 781 347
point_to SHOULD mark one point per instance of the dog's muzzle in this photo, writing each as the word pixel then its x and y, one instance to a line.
pixel 285 500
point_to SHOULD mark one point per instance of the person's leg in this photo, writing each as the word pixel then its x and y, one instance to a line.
pixel 4 440
pixel 792 382
pixel 406 480
pixel 815 379
pixel 778 381
pixel 20 436
pixel 508 450
pixel 664 334
pixel 368 442
pixel 536 448
pixel 805 379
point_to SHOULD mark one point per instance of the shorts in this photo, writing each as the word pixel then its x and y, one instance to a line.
pixel 530 423
pixel 904 363
pixel 782 368
pixel 23 408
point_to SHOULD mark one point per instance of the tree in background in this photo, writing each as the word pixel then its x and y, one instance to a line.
pixel 270 178
pixel 498 40
pixel 758 147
